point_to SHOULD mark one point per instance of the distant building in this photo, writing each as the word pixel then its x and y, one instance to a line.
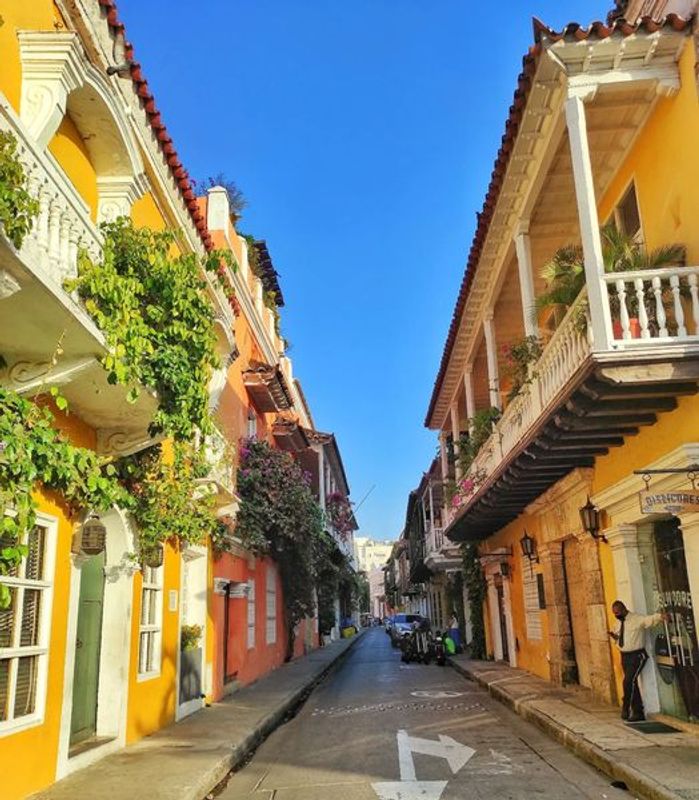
pixel 370 553
pixel 377 592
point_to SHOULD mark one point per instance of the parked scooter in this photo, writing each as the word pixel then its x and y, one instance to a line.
pixel 439 649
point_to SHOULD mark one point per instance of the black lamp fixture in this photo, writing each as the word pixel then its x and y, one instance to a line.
pixel 590 518
pixel 528 545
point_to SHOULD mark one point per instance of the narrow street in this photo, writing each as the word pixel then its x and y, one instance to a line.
pixel 344 740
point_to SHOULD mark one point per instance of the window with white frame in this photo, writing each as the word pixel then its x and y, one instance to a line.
pixel 24 632
pixel 271 604
pixel 151 622
pixel 251 613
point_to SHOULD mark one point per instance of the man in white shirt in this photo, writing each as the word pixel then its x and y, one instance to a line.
pixel 631 640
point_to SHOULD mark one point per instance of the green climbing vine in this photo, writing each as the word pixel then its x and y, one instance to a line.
pixel 158 321
pixel 33 452
pixel 475 589
pixel 17 207
pixel 167 501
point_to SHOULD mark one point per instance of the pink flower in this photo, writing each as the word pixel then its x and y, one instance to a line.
pixel 467 485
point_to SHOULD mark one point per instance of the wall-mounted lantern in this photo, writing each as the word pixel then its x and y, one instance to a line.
pixel 93 536
pixel 590 518
pixel 528 546
pixel 152 557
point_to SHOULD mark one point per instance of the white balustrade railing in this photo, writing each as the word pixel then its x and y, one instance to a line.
pixel 562 357
pixel 63 225
pixel 655 304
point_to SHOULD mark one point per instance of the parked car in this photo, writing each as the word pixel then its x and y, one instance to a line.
pixel 401 625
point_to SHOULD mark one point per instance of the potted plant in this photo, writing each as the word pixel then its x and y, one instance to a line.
pixel 190 636
pixel 565 275
pixel 624 253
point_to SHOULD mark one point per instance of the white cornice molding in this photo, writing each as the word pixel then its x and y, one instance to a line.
pixel 52 67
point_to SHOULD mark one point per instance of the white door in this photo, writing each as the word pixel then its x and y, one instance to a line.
pixel 190 669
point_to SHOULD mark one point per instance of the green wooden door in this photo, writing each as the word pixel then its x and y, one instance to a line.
pixel 87 650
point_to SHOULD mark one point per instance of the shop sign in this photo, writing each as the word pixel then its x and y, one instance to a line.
pixel 674 503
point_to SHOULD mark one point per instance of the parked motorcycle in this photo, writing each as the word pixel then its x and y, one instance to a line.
pixel 440 653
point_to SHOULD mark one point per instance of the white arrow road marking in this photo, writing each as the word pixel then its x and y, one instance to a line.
pixel 410 790
pixel 456 754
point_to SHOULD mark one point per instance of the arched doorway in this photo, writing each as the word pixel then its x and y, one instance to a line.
pixel 98 649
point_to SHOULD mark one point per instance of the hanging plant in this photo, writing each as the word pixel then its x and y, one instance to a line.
pixel 279 517
pixel 339 511
pixel 158 321
pixel 519 356
pixel 17 208
pixel 33 452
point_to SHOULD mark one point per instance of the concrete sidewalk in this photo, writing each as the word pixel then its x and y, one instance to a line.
pixel 186 760
pixel 653 766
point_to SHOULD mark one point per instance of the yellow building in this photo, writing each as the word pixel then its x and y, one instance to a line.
pixel 563 386
pixel 90 645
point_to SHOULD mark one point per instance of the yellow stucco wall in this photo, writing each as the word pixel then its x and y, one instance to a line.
pixel 665 167
pixel 28 758
pixel 532 655
pixel 151 702
pixel 69 150
pixel 36 15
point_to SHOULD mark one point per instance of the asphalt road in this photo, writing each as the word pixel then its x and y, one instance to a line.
pixel 369 731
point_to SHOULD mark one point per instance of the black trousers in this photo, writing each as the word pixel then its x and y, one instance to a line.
pixel 632 663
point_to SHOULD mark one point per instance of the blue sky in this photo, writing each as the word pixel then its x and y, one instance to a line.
pixel 362 133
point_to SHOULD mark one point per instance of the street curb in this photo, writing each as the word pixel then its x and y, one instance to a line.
pixel 217 777
pixel 636 781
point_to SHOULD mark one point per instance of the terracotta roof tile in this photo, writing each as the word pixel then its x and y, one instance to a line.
pixel 572 31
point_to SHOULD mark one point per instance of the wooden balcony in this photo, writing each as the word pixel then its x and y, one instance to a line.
pixel 267 388
pixel 582 400
pixel 289 435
